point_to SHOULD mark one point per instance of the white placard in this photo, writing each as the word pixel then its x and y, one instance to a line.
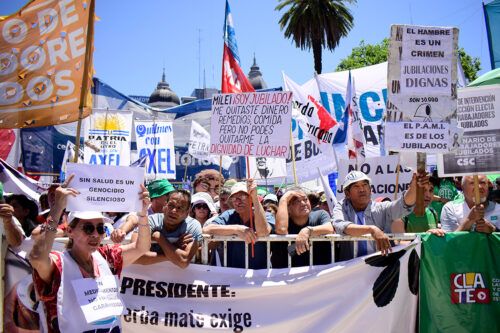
pixel 424 137
pixel 251 124
pixel 422 71
pixel 107 137
pixel 105 188
pixel 478 115
pixel 199 146
pixel 98 298
pixel 156 141
pixel 382 171
pixel 267 170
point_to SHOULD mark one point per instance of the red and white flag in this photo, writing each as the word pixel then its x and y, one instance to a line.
pixel 355 136
pixel 233 78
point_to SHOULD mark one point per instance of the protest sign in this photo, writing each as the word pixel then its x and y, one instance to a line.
pixel 105 188
pixel 199 146
pixel 420 136
pixel 382 171
pixel 267 170
pixel 422 71
pixel 107 137
pixel 43 50
pixel 478 115
pixel 156 141
pixel 251 124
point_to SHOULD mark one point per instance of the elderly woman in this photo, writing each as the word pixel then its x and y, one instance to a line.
pixel 79 287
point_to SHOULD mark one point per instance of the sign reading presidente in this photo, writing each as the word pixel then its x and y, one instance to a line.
pixel 422 71
pixel 478 115
pixel 255 124
pixel 42 63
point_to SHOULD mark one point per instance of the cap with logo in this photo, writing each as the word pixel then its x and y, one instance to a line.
pixel 354 177
pixel 160 187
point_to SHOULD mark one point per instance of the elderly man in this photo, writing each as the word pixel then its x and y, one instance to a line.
pixel 295 216
pixel 237 222
pixel 464 214
pixel 357 214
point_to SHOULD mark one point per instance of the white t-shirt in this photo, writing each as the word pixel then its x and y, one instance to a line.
pixel 454 213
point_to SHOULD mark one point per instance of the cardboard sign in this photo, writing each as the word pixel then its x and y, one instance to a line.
pixel 479 116
pixel 251 124
pixel 156 141
pixel 107 137
pixel 382 171
pixel 98 298
pixel 105 188
pixel 422 71
pixel 420 137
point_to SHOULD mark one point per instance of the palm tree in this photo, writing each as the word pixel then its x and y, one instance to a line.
pixel 316 23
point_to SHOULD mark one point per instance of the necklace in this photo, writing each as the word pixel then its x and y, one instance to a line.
pixel 88 268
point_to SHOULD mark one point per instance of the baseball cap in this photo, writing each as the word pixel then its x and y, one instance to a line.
pixel 87 215
pixel 271 197
pixel 238 187
pixel 159 187
pixel 203 197
pixel 355 176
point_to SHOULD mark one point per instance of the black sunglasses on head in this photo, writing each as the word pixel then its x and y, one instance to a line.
pixel 89 228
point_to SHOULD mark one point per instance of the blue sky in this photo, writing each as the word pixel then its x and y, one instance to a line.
pixel 135 39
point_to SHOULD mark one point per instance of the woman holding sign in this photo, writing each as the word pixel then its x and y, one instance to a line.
pixel 79 287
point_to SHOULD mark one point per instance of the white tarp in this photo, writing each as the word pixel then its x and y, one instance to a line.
pixel 373 294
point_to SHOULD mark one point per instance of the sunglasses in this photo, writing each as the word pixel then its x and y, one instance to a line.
pixel 89 228
pixel 201 206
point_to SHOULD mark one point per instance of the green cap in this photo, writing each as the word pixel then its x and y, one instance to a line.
pixel 159 187
pixel 261 191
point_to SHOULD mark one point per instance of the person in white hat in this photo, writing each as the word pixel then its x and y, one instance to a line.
pixel 63 280
pixel 202 207
pixel 357 214
pixel 236 221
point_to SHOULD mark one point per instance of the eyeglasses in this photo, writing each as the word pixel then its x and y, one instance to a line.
pixel 89 228
pixel 201 206
pixel 239 197
pixel 206 187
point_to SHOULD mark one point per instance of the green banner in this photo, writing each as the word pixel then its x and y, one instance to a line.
pixel 460 283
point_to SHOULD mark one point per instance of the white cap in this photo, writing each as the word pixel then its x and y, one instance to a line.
pixel 87 215
pixel 355 176
pixel 203 197
pixel 238 187
pixel 271 197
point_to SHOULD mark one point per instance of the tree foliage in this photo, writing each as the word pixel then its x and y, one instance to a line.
pixel 368 54
pixel 315 24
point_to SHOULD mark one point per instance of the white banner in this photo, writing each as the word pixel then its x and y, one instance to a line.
pixel 365 294
pixel 107 137
pixel 251 124
pixel 479 116
pixel 156 141
pixel 105 188
pixel 382 171
pixel 199 146
pixel 423 71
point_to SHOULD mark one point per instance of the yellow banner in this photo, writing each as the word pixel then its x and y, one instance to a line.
pixel 46 63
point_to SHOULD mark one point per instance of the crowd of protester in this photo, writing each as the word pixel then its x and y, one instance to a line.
pixel 176 219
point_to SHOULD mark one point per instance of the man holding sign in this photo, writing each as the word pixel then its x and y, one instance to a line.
pixel 464 214
pixel 358 214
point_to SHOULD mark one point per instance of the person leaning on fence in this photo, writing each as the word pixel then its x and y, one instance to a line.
pixel 295 216
pixel 178 235
pixel 357 214
pixel 236 221
pixel 62 278
pixel 463 214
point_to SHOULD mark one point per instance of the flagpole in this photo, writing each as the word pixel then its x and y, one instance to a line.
pixel 86 70
pixel 294 167
pixel 250 206
pixel 397 177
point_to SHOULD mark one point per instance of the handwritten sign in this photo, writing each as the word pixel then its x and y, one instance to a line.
pixel 98 298
pixel 251 124
pixel 105 188
pixel 422 71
